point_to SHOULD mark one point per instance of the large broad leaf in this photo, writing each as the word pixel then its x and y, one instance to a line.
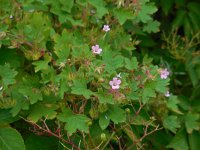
pixel 10 139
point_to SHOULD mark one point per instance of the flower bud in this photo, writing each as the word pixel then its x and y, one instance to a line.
pixel 103 137
pixel 127 110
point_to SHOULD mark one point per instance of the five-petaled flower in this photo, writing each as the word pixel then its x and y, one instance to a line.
pixel 167 94
pixel 96 49
pixel 115 83
pixel 164 73
pixel 106 28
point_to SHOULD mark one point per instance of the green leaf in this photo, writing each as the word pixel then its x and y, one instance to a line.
pixel 36 7
pixel 114 63
pixel 74 121
pixel 131 63
pixel 178 21
pixel 21 102
pixel 187 26
pixel 77 122
pixel 122 15
pixel 194 140
pixel 180 2
pixel 172 104
pixel 40 110
pixel 161 85
pixel 166 5
pixel 171 123
pixel 148 91
pixel 194 7
pixel 105 98
pixel 73 21
pixel 63 88
pixel 6 54
pixel 10 139
pixel 116 114
pixel 65 114
pixel 34 142
pixel 62 45
pixel 41 65
pixel 194 77
pixel 100 7
pixel 35 27
pixel 179 142
pixel 80 88
pixel 151 26
pixel 192 122
pixel 145 12
pixel 67 5
pixel 32 94
pixel 6 117
pixel 7 75
pixel 103 121
pixel 194 20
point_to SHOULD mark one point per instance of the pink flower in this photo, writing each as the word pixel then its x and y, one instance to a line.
pixel 96 49
pixel 115 83
pixel 164 73
pixel 167 94
pixel 106 28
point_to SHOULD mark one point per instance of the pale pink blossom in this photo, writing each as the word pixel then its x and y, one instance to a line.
pixel 167 94
pixel 115 83
pixel 96 49
pixel 106 28
pixel 164 73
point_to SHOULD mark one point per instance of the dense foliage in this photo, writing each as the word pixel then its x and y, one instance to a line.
pixel 99 74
